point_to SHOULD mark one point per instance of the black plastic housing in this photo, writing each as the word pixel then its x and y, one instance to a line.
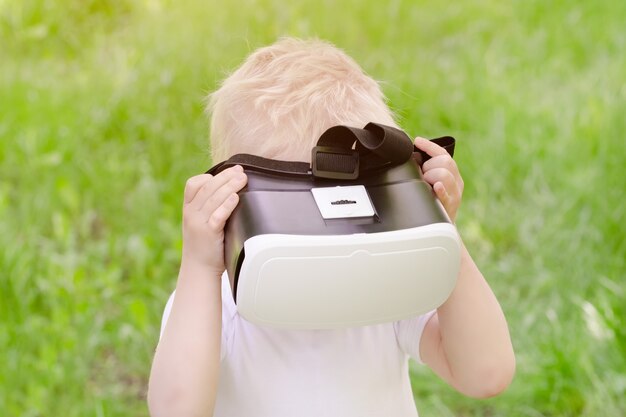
pixel 284 204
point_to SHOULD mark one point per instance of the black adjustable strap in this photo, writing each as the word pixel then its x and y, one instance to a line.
pixel 375 146
pixel 260 164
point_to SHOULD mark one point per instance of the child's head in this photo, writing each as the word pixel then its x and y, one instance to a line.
pixel 285 95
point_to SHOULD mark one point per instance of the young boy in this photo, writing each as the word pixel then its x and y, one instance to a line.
pixel 210 361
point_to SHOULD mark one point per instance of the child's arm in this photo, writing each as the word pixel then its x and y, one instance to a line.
pixel 184 375
pixel 467 342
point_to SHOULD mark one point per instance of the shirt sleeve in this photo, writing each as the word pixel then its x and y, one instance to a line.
pixel 228 312
pixel 409 333
pixel 166 313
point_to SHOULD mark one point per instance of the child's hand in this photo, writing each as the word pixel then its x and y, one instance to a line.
pixel 443 174
pixel 209 202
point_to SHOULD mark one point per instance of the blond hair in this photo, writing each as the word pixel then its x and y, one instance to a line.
pixel 285 95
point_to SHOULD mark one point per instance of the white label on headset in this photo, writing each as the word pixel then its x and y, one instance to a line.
pixel 343 202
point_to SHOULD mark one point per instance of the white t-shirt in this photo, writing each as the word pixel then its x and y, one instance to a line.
pixel 353 372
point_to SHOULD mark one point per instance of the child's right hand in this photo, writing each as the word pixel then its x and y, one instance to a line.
pixel 209 202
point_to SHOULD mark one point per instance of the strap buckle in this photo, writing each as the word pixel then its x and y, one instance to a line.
pixel 335 163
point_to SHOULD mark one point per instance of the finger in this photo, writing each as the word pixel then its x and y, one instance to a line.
pixel 442 175
pixel 446 162
pixel 442 161
pixel 209 187
pixel 194 184
pixel 221 194
pixel 448 201
pixel 218 219
pixel 431 148
pixel 441 192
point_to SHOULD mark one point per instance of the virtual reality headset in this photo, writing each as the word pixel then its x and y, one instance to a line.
pixel 355 238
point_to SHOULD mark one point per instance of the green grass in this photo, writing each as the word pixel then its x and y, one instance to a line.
pixel 101 122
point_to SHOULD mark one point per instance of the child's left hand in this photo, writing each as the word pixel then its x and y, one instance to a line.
pixel 443 174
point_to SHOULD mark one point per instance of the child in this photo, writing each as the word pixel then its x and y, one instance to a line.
pixel 210 361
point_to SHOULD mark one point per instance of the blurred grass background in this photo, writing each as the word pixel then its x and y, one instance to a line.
pixel 101 122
